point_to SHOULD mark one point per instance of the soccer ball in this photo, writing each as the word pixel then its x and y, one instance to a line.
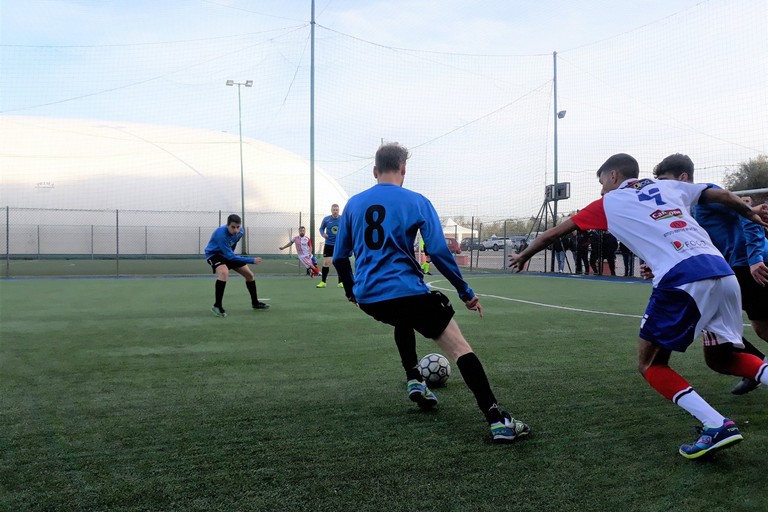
pixel 435 369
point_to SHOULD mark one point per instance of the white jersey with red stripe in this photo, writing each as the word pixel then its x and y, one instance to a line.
pixel 303 246
pixel 652 218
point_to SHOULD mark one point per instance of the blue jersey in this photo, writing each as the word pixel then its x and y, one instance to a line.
pixel 223 244
pixel 330 227
pixel 379 227
pixel 741 241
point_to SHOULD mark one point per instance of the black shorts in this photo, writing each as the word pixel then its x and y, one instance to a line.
pixel 429 314
pixel 217 259
pixel 328 251
pixel 754 298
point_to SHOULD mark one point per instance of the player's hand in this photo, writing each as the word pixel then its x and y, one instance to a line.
pixel 256 260
pixel 759 273
pixel 517 262
pixel 473 304
pixel 646 272
pixel 353 300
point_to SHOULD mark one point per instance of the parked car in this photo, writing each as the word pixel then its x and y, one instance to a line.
pixel 471 244
pixel 453 245
pixel 497 242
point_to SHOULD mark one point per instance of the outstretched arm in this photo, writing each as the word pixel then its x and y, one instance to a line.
pixel 757 214
pixel 518 261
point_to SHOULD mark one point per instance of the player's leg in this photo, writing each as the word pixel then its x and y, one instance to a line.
pixel 222 274
pixel 452 343
pixel 327 260
pixel 755 304
pixel 717 431
pixel 405 339
pixel 250 284
pixel 670 322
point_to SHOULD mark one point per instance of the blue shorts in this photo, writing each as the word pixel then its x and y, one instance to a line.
pixel 712 307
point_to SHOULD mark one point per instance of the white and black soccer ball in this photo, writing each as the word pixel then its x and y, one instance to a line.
pixel 435 368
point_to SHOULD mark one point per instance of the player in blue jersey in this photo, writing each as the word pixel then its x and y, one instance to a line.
pixel 379 227
pixel 220 255
pixel 742 243
pixel 329 228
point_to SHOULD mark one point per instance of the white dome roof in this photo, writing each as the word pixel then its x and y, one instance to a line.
pixel 90 164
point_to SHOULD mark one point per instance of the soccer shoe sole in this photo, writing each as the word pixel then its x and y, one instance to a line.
pixel 725 443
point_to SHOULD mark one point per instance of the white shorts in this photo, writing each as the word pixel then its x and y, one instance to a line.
pixel 712 307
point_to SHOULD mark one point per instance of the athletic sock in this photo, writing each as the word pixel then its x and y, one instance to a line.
pixel 251 285
pixel 674 387
pixel 220 285
pixel 477 381
pixel 325 273
pixel 748 366
pixel 405 339
pixel 751 349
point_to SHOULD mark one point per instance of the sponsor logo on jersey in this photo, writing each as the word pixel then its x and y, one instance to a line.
pixel 666 214
pixel 639 184
pixel 688 244
pixel 678 231
pixel 678 224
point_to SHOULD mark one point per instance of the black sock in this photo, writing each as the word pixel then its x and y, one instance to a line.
pixel 220 285
pixel 405 339
pixel 251 285
pixel 474 375
pixel 751 349
pixel 325 273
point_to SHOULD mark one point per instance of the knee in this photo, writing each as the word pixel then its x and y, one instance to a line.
pixel 642 367
pixel 222 273
pixel 761 329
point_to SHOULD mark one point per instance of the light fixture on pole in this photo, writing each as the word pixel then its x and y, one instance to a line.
pixel 247 83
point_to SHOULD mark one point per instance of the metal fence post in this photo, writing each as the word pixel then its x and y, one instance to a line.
pixel 7 241
pixel 91 241
pixel 471 243
pixel 146 244
pixel 38 241
pixel 117 243
pixel 504 253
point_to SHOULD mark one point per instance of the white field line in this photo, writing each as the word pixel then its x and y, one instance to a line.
pixel 431 284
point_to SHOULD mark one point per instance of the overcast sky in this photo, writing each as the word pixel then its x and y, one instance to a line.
pixel 466 83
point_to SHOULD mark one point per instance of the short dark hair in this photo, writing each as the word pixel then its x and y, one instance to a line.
pixel 390 156
pixel 622 163
pixel 234 219
pixel 676 164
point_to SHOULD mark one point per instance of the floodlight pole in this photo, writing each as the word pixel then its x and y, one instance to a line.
pixel 554 195
pixel 312 127
pixel 247 83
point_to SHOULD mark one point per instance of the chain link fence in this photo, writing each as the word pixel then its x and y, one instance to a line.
pixel 128 242
pixel 57 242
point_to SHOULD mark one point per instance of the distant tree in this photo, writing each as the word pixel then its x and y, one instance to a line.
pixel 749 175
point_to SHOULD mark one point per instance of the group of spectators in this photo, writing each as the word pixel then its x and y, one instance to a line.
pixel 589 250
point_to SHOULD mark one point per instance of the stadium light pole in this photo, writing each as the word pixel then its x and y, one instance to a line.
pixel 247 83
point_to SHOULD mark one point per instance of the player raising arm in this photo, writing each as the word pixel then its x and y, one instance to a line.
pixel 379 227
pixel 694 289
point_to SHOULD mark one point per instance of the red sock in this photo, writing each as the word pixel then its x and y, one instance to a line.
pixel 745 365
pixel 667 381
